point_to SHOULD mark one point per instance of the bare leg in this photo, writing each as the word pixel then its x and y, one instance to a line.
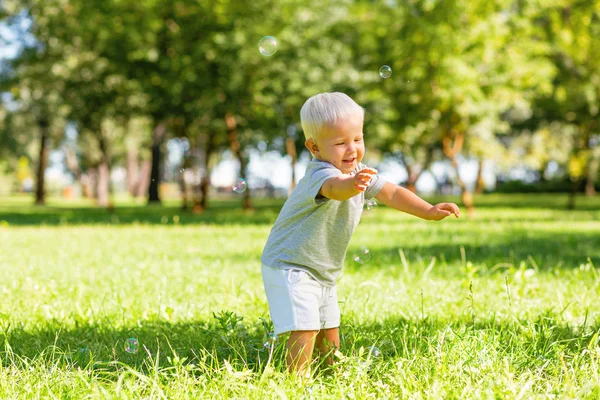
pixel 328 340
pixel 300 347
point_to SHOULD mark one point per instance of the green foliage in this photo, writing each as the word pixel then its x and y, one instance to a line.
pixel 568 114
pixel 494 71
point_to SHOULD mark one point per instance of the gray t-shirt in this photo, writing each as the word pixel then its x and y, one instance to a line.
pixel 312 232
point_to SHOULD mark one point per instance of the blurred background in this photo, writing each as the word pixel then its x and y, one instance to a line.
pixel 174 99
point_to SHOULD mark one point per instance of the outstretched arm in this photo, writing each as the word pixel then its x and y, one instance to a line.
pixel 404 200
pixel 344 186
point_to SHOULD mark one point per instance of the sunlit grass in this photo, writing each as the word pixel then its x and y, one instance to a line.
pixel 501 306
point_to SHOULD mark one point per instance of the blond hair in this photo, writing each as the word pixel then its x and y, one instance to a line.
pixel 325 109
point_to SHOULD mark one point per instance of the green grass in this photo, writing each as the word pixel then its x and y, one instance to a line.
pixel 504 305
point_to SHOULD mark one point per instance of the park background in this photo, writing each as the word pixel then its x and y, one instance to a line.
pixel 124 126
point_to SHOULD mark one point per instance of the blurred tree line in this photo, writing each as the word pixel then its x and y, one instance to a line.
pixel 512 81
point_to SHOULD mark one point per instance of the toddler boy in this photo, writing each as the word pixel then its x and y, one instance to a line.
pixel 305 251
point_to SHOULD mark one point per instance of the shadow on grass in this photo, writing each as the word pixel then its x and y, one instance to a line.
pixel 546 201
pixel 208 344
pixel 155 343
pixel 541 250
pixel 225 212
pixel 220 213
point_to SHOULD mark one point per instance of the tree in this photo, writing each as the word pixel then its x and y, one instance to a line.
pixel 457 67
pixel 71 72
pixel 39 102
pixel 573 29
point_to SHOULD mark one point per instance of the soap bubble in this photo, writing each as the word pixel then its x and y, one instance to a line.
pixel 369 205
pixel 131 345
pixel 362 256
pixel 270 340
pixel 267 45
pixel 240 185
pixel 374 352
pixel 385 71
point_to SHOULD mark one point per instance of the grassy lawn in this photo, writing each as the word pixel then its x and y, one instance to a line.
pixel 503 305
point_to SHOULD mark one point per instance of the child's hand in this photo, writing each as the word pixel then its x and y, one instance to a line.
pixel 362 179
pixel 443 210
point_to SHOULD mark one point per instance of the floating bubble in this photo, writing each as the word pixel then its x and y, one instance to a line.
pixel 362 256
pixel 308 393
pixel 369 205
pixel 374 352
pixel 182 170
pixel 131 345
pixel 270 341
pixel 240 185
pixel 385 71
pixel 267 45
pixel 82 354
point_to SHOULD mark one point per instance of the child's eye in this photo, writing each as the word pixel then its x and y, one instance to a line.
pixel 358 140
pixel 339 144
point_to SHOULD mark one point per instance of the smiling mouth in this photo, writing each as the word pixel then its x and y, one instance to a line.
pixel 350 161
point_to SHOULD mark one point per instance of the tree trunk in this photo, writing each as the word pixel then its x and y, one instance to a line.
pixel 479 182
pixel 591 169
pixel 133 172
pixel 290 147
pixel 103 184
pixel 183 185
pixel 209 147
pixel 592 174
pixel 543 170
pixel 414 171
pixel 572 195
pixel 88 181
pixel 183 190
pixel 73 165
pixel 413 176
pixel 236 148
pixel 451 150
pixel 158 137
pixel 143 182
pixel 104 174
pixel 40 191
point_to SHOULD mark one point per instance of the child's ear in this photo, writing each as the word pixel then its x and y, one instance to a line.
pixel 311 145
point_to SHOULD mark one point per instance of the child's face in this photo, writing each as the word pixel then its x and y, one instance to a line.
pixel 340 144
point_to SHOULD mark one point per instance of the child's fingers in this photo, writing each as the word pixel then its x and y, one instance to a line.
pixel 451 208
pixel 364 176
pixel 362 179
pixel 368 170
pixel 455 210
pixel 359 187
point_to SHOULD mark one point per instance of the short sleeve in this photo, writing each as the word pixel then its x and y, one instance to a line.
pixel 318 176
pixel 376 185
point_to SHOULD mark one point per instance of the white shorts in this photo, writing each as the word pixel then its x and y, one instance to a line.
pixel 298 302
